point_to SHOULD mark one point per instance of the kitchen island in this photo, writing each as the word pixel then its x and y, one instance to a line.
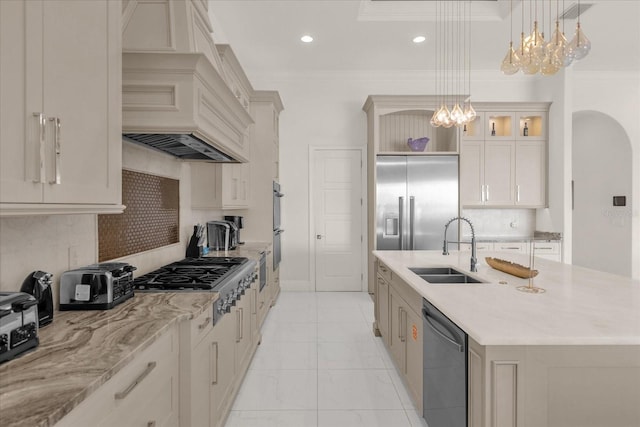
pixel 566 357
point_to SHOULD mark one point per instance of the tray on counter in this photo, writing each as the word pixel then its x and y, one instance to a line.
pixel 511 268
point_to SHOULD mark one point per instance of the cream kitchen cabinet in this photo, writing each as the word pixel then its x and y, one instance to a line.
pixel 223 370
pixel 216 358
pixel 220 186
pixel 487 173
pixel 531 173
pixel 405 338
pixel 144 393
pixel 263 297
pixel 548 250
pixel 393 119
pixel 499 125
pixel 503 157
pixel 60 127
pixel 474 130
pixel 503 173
pixel 208 369
pixel 511 247
pixel 382 312
pixel 532 125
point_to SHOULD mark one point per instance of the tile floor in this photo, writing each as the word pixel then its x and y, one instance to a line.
pixel 319 365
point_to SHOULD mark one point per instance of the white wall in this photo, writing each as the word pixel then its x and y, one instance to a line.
pixel 617 94
pixel 602 169
pixel 557 217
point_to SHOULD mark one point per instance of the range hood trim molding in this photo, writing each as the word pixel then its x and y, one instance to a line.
pixel 176 93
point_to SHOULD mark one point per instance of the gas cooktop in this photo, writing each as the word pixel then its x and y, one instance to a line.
pixel 203 274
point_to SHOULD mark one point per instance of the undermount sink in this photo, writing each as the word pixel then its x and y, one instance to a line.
pixel 439 275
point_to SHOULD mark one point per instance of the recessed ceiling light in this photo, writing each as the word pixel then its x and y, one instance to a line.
pixel 306 38
pixel 419 39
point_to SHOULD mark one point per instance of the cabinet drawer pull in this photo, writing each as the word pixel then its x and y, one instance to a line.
pixel 543 247
pixel 204 324
pixel 151 424
pixel 487 193
pixel 214 381
pixel 122 394
pixel 383 268
pixel 57 125
pixel 517 193
pixel 42 126
pixel 510 247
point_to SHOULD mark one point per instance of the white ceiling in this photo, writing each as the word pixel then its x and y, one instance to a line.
pixel 376 35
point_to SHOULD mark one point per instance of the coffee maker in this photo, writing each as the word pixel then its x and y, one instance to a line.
pixel 237 220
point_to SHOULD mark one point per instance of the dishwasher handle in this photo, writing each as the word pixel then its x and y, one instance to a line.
pixel 429 321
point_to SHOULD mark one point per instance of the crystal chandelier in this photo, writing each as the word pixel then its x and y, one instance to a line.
pixel 536 55
pixel 453 65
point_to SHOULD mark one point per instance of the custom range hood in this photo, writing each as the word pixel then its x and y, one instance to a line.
pixel 175 96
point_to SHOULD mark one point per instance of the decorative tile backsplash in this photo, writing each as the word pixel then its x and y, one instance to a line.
pixel 151 218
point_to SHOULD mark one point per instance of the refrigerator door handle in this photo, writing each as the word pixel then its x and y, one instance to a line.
pixel 412 209
pixel 401 225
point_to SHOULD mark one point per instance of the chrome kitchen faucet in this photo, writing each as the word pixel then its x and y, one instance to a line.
pixel 445 247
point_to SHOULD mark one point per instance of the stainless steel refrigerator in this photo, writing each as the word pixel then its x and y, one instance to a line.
pixel 415 197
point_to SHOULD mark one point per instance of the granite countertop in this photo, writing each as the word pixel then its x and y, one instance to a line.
pixel 81 350
pixel 580 306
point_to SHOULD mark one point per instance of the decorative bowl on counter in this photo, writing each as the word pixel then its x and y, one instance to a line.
pixel 418 144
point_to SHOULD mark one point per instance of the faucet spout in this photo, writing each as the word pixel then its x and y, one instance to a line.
pixel 445 246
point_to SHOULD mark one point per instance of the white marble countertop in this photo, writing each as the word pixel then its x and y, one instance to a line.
pixel 580 306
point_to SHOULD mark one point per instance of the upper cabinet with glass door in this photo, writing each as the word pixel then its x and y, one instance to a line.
pixel 532 125
pixel 474 130
pixel 510 121
pixel 392 120
pixel 499 126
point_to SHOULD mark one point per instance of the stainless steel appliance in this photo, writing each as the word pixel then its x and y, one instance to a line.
pixel 222 235
pixel 277 231
pixel 237 220
pixel 415 196
pixel 97 286
pixel 444 397
pixel 263 269
pixel 18 324
pixel 229 276
pixel 39 284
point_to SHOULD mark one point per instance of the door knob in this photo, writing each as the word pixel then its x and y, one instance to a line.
pixel 319 236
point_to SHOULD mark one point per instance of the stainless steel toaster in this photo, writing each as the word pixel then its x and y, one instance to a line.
pixel 18 324
pixel 96 287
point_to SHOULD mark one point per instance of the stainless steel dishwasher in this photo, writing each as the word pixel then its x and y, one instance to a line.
pixel 445 370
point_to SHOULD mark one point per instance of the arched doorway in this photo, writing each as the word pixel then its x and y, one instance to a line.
pixel 602 170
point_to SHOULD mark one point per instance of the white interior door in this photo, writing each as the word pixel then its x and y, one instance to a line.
pixel 337 209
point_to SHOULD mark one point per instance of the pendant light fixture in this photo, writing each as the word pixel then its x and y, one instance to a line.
pixel 536 55
pixel 453 64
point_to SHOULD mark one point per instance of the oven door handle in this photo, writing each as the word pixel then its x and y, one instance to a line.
pixel 429 321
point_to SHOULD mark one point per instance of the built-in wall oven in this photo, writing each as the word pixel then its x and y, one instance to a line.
pixel 277 231
pixel 445 370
